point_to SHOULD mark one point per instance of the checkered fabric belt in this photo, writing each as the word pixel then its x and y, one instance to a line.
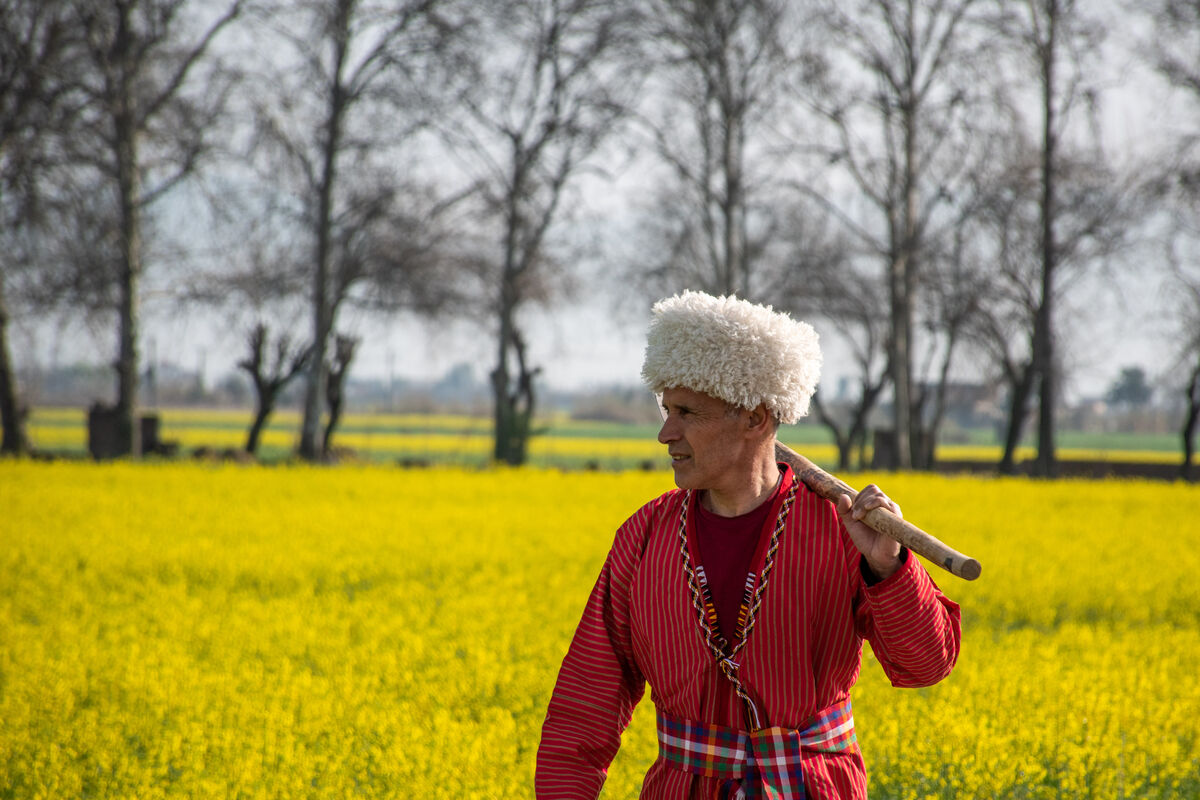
pixel 762 765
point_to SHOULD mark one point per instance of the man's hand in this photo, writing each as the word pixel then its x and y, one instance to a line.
pixel 882 553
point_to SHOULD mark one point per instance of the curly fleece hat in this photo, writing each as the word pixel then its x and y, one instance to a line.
pixel 734 350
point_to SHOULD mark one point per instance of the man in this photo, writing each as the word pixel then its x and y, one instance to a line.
pixel 742 597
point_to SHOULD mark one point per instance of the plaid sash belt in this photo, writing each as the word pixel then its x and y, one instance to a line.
pixel 762 765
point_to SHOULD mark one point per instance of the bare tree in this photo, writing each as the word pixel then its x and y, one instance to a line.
pixel 902 108
pixel 14 441
pixel 1001 328
pixel 344 348
pixel 1089 226
pixel 1055 39
pixel 154 95
pixel 39 51
pixel 830 283
pixel 1188 431
pixel 958 286
pixel 1191 385
pixel 548 95
pixel 1009 219
pixel 1176 184
pixel 353 82
pixel 847 299
pixel 270 375
pixel 717 74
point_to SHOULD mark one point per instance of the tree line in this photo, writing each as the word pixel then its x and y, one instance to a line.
pixel 931 178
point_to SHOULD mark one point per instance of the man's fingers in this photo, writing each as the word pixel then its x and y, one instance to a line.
pixel 872 497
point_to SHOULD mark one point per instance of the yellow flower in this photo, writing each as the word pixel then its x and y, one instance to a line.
pixel 182 630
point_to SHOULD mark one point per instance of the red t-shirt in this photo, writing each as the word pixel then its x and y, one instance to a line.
pixel 727 546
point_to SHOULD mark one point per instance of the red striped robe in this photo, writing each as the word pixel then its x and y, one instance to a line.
pixel 804 654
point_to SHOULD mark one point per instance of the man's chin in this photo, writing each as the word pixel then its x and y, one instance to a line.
pixel 683 473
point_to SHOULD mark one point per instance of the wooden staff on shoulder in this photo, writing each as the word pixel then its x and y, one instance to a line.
pixel 880 519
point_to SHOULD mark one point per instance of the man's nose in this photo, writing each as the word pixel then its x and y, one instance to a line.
pixel 669 432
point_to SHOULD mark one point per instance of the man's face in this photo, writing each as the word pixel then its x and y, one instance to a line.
pixel 704 437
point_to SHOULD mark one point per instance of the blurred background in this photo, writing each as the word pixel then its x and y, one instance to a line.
pixel 270 229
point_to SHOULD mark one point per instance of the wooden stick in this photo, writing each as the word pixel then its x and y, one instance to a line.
pixel 880 519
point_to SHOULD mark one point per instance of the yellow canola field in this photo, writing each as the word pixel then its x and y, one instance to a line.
pixel 182 630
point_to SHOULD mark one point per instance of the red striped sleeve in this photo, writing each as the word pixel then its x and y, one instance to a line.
pixel 599 683
pixel 913 628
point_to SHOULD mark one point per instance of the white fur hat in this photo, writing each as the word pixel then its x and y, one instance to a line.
pixel 734 350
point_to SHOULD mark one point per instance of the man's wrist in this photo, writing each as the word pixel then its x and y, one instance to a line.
pixel 878 573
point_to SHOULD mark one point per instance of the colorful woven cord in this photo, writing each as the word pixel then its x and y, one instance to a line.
pixel 751 602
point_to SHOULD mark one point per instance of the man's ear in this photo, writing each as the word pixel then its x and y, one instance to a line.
pixel 759 418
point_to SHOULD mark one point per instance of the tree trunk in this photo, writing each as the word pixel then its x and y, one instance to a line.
pixel 855 434
pixel 322 306
pixel 732 208
pixel 14 442
pixel 845 448
pixel 524 409
pixel 335 388
pixel 918 436
pixel 503 411
pixel 514 398
pixel 129 187
pixel 269 381
pixel 858 427
pixel 843 440
pixel 1022 387
pixel 511 430
pixel 900 359
pixel 316 376
pixel 335 416
pixel 1046 465
pixel 930 437
pixel 513 417
pixel 314 380
pixel 901 283
pixel 263 409
pixel 912 447
pixel 1191 418
pixel 528 400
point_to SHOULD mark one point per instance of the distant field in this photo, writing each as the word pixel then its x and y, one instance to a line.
pixel 561 442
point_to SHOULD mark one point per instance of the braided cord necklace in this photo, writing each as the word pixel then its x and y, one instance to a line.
pixel 751 601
